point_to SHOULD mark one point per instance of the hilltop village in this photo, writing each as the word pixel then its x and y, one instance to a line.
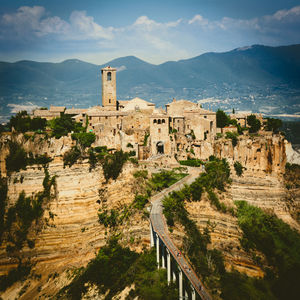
pixel 137 124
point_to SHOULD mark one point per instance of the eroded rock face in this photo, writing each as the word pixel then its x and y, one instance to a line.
pixel 261 155
pixel 74 236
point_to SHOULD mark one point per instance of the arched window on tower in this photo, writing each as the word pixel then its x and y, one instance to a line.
pixel 109 76
pixel 163 121
pixel 159 121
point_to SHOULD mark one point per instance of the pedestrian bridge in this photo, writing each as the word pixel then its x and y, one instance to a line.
pixel 167 254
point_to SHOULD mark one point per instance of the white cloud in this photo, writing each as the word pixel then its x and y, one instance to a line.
pixel 147 24
pixel 15 108
pixel 84 27
pixel 122 68
pixel 198 19
pixel 28 22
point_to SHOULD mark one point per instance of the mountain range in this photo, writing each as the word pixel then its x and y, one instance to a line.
pixel 257 78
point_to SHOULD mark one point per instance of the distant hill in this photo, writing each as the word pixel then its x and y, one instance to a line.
pixel 245 78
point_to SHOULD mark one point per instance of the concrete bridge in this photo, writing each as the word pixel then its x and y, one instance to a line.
pixel 167 254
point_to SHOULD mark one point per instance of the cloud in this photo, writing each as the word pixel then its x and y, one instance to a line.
pixel 29 22
pixel 84 27
pixel 122 68
pixel 198 19
pixel 15 108
pixel 148 24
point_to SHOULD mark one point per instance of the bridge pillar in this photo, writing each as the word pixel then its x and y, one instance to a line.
pixel 186 295
pixel 180 284
pixel 163 257
pixel 168 266
pixel 193 294
pixel 151 236
pixel 157 250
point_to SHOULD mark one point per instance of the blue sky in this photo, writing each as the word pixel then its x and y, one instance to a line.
pixel 156 31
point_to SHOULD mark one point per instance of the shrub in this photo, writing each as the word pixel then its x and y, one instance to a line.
pixel 92 159
pixel 140 201
pixel 108 218
pixel 238 168
pixel 85 139
pixel 17 157
pixel 141 174
pixel 273 124
pixel 113 164
pixel 22 122
pixel 233 137
pixel 63 125
pixel 71 156
pixel 278 242
pixel 191 162
pixel 222 119
pixel 132 153
pixel 253 123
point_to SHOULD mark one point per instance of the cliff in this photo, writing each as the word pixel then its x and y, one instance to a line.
pixel 74 236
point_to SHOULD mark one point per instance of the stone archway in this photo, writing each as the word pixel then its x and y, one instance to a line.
pixel 160 147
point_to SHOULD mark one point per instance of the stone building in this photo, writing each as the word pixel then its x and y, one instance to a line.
pixel 138 125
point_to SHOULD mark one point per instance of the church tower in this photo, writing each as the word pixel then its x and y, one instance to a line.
pixel 109 94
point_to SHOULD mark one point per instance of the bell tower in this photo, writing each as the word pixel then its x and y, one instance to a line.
pixel 109 94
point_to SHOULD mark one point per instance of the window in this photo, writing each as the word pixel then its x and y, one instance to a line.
pixel 109 101
pixel 159 130
pixel 109 76
pixel 205 117
pixel 154 121
pixel 159 121
pixel 163 121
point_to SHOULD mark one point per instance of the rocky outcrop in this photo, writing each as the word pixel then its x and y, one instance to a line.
pixel 75 235
pixel 259 155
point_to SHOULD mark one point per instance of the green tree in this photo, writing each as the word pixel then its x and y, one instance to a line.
pixel 22 122
pixel 63 125
pixel 17 157
pixel 71 156
pixel 273 124
pixel 238 168
pixel 85 139
pixel 222 119
pixel 253 123
pixel 112 164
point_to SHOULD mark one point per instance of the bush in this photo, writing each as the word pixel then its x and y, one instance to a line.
pixel 278 242
pixel 140 201
pixel 16 159
pixel 71 156
pixel 92 159
pixel 238 168
pixel 113 164
pixel 64 125
pixel 85 139
pixel 14 275
pixel 253 123
pixel 191 162
pixel 233 137
pixel 22 122
pixel 222 119
pixel 273 124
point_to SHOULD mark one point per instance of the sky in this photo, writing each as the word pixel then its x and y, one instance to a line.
pixel 156 31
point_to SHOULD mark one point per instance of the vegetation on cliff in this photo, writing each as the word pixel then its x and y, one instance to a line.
pixel 63 125
pixel 22 122
pixel 116 267
pixel 17 221
pixel 18 158
pixel 280 245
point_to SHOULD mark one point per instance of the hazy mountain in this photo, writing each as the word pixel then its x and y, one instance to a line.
pixel 246 78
